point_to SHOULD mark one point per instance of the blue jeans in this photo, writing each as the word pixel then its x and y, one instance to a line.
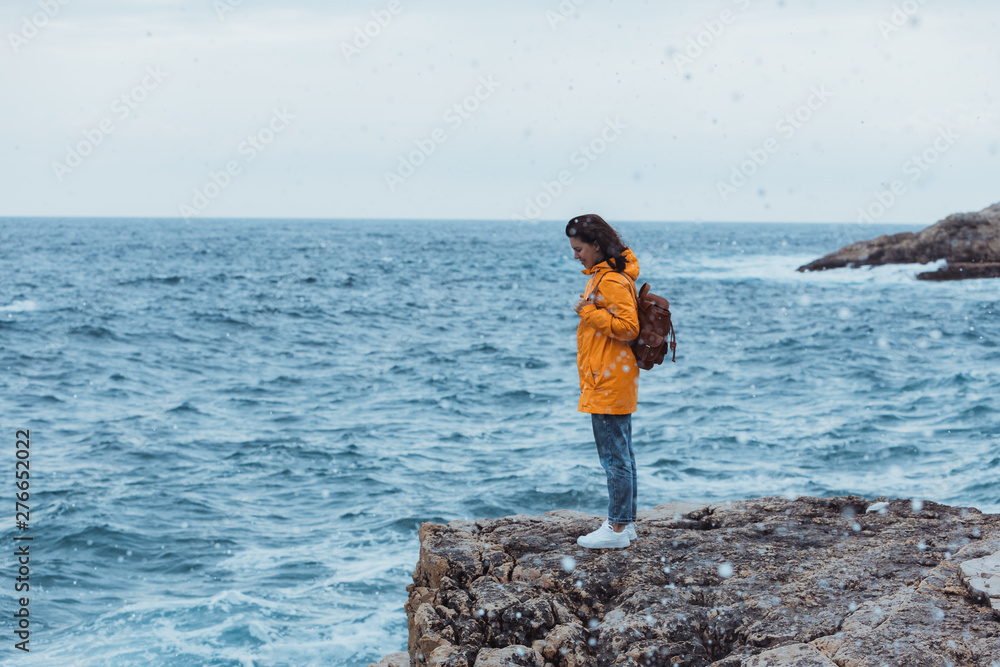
pixel 613 434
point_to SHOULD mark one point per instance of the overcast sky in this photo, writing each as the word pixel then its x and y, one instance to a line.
pixel 727 110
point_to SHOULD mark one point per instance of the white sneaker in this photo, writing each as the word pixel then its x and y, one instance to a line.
pixel 603 538
pixel 629 530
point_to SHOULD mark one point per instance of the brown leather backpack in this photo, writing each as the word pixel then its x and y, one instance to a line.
pixel 656 331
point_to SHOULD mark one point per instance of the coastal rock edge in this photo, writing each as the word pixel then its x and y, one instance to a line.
pixel 769 581
pixel 970 242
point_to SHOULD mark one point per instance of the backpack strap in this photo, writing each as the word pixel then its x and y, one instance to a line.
pixel 630 282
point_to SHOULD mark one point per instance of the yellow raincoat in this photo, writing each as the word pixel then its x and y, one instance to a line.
pixel 609 376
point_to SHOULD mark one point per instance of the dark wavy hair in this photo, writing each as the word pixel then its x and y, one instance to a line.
pixel 592 228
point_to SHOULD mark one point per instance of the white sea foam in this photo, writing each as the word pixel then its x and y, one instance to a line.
pixel 20 307
pixel 780 269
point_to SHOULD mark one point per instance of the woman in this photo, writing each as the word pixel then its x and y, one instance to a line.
pixel 608 373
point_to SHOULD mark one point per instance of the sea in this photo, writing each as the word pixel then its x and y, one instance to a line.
pixel 236 427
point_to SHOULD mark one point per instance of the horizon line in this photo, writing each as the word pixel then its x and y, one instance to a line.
pixel 475 220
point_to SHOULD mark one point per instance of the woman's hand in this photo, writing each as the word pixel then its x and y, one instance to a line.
pixel 580 304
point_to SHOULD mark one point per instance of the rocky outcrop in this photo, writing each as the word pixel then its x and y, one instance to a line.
pixel 970 242
pixel 765 582
pixel 981 577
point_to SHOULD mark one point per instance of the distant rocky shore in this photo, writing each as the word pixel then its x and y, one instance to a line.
pixel 970 242
pixel 770 582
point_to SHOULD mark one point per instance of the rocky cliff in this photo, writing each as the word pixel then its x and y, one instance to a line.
pixel 970 242
pixel 823 582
